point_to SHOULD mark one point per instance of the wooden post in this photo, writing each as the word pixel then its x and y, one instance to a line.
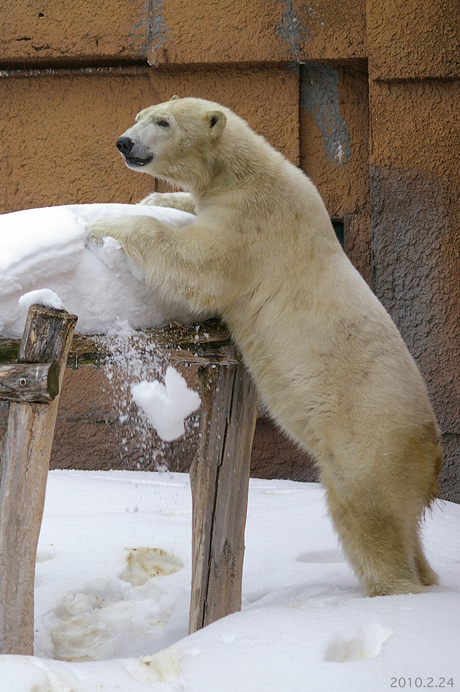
pixel 24 466
pixel 219 478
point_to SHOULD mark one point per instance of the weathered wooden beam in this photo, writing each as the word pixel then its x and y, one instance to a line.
pixel 24 463
pixel 219 479
pixel 29 382
pixel 203 344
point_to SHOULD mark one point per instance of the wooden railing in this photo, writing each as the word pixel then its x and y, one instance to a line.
pixel 31 373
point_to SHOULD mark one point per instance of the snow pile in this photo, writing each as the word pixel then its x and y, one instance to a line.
pixel 47 249
pixel 166 405
pixel 42 296
pixel 113 588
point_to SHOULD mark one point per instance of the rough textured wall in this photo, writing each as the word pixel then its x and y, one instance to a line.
pixel 61 126
pixel 61 130
pixel 180 31
pixel 334 132
pixel 413 39
pixel 415 195
pixel 260 30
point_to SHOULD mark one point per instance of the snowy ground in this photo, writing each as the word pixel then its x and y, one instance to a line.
pixel 113 588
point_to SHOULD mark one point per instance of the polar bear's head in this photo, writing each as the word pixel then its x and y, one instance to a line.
pixel 176 140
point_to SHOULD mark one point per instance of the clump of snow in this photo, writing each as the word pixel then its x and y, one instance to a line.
pixel 166 406
pixel 132 358
pixel 44 296
pixel 48 248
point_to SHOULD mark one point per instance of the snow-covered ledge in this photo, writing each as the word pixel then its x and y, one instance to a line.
pixel 46 250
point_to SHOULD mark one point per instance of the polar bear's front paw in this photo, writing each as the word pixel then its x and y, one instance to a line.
pixel 100 229
pixel 96 232
pixel 154 199
pixel 173 200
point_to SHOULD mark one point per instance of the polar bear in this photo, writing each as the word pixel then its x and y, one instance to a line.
pixel 327 358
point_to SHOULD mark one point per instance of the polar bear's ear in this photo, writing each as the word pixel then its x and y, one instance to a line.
pixel 216 121
pixel 174 98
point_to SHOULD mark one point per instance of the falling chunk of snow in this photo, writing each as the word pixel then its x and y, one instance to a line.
pixel 166 406
pixel 41 296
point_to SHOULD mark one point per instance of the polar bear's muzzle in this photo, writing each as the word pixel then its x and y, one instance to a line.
pixel 128 150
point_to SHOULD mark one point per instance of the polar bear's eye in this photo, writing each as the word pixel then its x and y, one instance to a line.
pixel 163 123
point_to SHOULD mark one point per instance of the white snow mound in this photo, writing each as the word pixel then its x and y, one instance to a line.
pixel 44 296
pixel 47 249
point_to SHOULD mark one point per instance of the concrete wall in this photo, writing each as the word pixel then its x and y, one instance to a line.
pixel 363 95
pixel 414 96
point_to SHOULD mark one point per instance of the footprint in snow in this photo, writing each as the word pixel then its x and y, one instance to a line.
pixel 45 555
pixel 143 564
pixel 365 643
pixel 117 618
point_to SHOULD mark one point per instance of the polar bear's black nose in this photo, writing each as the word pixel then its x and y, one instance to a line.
pixel 124 145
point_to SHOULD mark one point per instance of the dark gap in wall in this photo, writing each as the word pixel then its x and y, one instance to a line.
pixel 339 229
